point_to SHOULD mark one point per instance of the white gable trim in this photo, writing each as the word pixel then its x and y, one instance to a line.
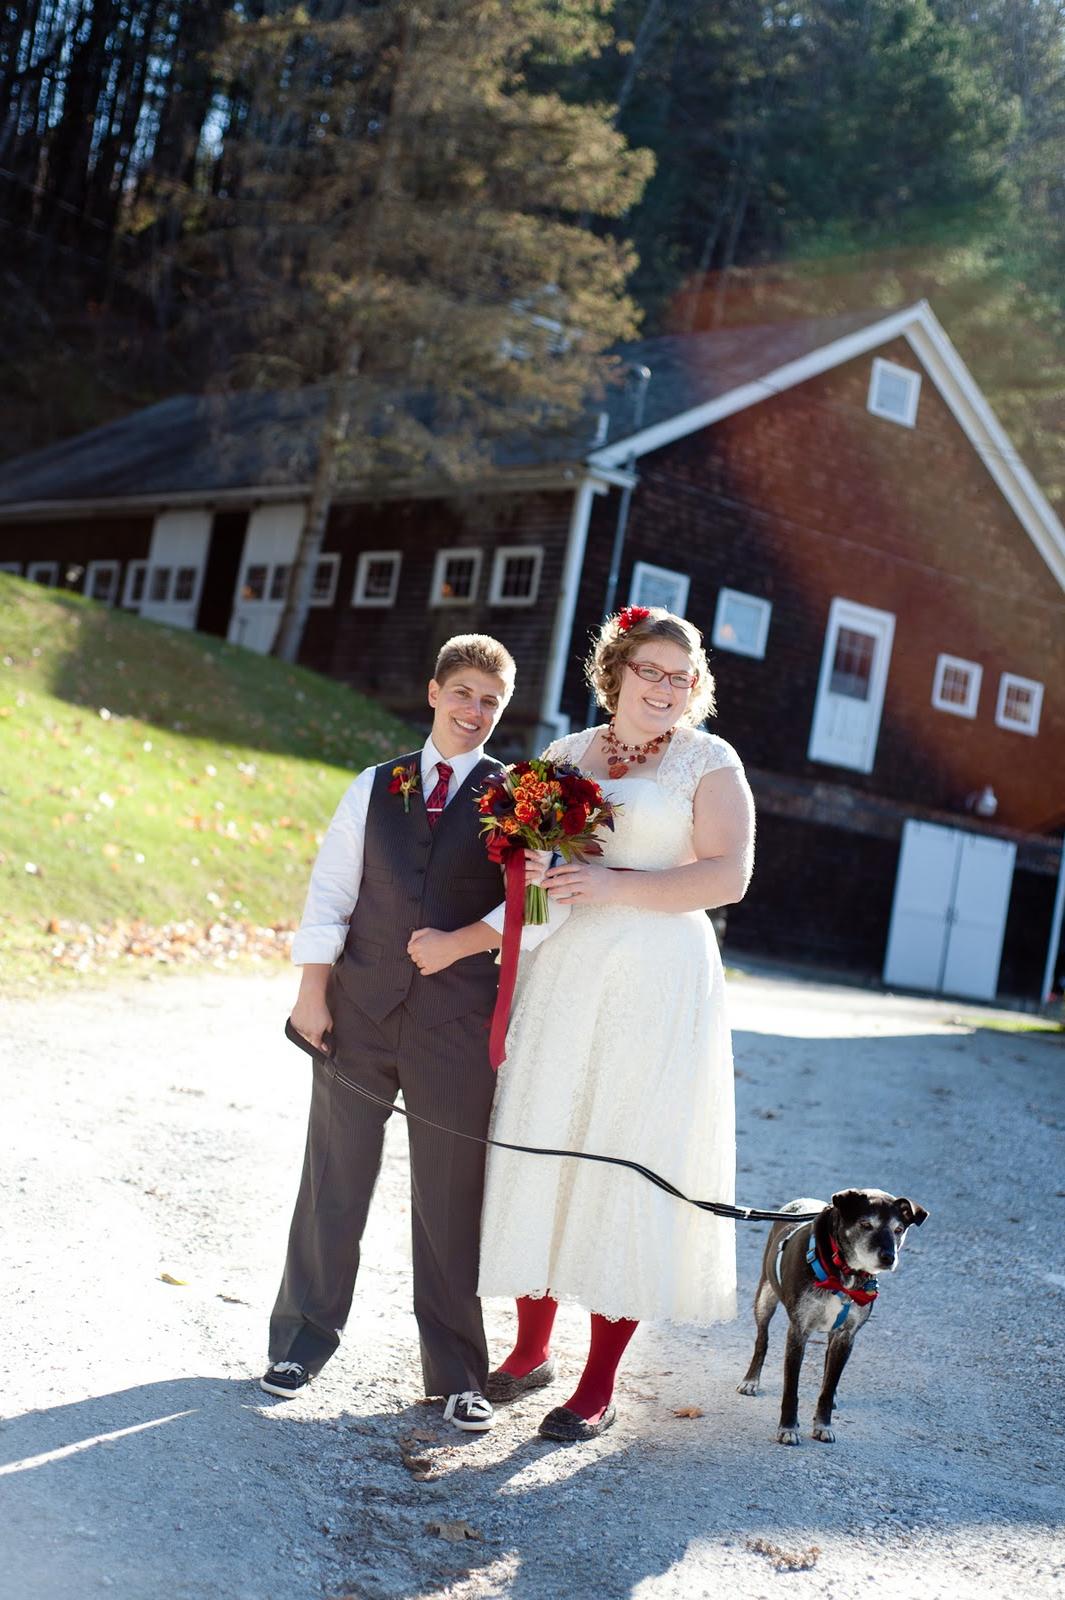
pixel 927 338
pixel 748 394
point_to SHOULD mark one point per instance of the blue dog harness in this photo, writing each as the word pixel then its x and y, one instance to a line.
pixel 863 1293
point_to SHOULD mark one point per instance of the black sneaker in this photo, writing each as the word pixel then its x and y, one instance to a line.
pixel 285 1378
pixel 469 1411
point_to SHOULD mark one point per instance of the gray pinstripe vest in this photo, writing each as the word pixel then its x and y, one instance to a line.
pixel 415 876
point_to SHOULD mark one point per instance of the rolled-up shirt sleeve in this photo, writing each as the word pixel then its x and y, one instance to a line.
pixel 335 878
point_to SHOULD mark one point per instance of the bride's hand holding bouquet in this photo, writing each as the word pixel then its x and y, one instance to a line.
pixel 544 806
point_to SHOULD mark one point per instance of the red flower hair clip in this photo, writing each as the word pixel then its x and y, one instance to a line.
pixel 628 616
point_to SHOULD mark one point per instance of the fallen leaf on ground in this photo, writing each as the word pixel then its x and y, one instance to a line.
pixel 179 1283
pixel 786 1560
pixel 687 1411
pixel 454 1532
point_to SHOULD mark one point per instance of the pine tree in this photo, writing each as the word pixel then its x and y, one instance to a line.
pixel 394 214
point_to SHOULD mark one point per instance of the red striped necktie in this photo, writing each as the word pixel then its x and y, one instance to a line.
pixel 436 801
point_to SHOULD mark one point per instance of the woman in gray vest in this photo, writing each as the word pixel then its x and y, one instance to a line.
pixel 402 874
pixel 619 1043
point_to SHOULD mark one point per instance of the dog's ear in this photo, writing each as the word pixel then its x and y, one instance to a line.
pixel 912 1214
pixel 851 1203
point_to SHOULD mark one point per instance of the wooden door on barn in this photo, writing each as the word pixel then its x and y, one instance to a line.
pixel 952 893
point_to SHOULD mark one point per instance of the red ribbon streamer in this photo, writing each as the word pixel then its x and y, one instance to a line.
pixel 513 920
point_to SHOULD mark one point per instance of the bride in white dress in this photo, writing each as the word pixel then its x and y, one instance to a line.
pixel 619 1042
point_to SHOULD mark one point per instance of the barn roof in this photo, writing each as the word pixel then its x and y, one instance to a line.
pixel 256 439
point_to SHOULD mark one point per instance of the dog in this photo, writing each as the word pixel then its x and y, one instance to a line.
pixel 825 1273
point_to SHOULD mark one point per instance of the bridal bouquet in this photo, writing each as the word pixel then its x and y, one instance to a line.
pixel 542 805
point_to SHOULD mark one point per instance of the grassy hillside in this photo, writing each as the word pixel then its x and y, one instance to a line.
pixel 152 777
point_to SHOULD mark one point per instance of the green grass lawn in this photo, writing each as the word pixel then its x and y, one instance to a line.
pixel 153 776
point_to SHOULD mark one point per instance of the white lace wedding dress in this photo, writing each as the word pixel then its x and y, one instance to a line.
pixel 619 1045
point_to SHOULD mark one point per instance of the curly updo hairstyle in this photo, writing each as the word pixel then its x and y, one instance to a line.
pixel 616 645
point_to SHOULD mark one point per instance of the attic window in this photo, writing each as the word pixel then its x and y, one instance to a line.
pixel 894 392
pixel 1020 701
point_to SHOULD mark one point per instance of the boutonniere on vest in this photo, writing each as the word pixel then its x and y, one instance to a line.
pixel 405 781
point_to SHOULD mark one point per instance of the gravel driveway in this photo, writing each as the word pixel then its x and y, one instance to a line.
pixel 158 1129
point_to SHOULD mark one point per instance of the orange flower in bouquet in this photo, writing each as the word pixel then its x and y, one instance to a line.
pixel 542 805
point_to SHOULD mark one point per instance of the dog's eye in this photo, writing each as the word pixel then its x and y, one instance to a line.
pixel 899 1228
pixel 865 1223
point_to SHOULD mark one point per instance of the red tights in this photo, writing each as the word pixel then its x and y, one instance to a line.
pixel 589 1400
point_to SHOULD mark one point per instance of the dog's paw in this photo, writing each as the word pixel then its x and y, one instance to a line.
pixel 788 1436
pixel 748 1386
pixel 822 1431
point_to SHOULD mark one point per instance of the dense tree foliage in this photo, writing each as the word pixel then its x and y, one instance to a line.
pixel 808 157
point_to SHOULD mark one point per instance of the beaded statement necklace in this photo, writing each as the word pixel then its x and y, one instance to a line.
pixel 621 758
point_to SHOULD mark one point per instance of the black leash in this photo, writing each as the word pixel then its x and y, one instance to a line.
pixel 716 1207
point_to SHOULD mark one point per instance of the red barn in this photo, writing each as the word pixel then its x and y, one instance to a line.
pixel 832 501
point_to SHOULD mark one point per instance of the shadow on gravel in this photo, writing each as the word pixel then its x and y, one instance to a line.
pixel 165 1488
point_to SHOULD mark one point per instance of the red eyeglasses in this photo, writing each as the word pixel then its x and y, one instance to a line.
pixel 649 673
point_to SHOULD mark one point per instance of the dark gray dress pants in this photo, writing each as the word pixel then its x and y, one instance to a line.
pixel 444 1075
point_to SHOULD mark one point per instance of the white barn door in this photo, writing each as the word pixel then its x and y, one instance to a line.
pixel 978 923
pixel 952 893
pixel 269 550
pixel 176 559
pixel 850 686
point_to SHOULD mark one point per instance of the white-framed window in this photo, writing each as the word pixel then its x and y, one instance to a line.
pixel 101 581
pixel 894 392
pixel 741 623
pixel 46 572
pixel 851 686
pixel 1020 700
pixel 659 586
pixel 324 581
pixel 516 575
pixel 159 581
pixel 956 686
pixel 134 584
pixel 11 566
pixel 377 578
pixel 279 580
pixel 185 584
pixel 456 574
pixel 256 578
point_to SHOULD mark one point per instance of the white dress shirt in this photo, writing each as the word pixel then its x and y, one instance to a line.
pixel 337 873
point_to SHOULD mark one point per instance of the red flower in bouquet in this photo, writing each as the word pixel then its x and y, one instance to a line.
pixel 542 805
